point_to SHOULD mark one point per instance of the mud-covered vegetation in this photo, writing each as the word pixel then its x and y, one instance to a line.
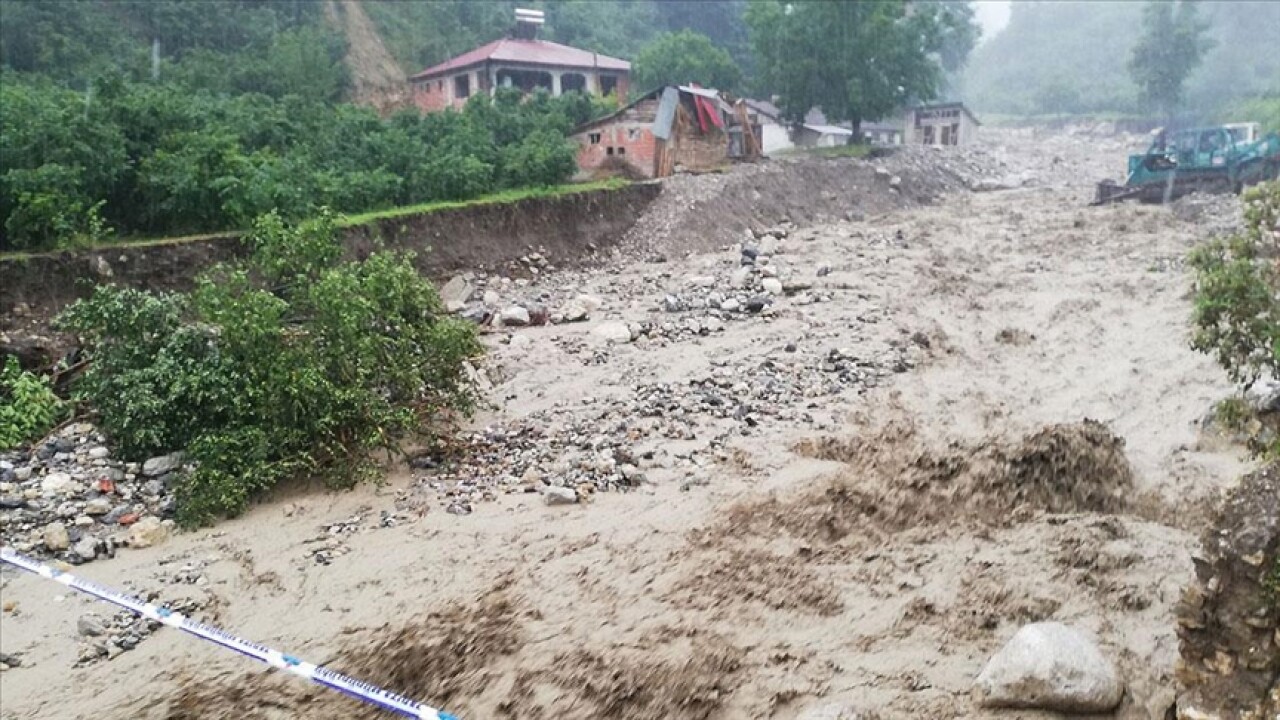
pixel 294 363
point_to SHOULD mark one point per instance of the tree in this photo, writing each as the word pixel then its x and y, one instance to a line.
pixel 684 57
pixel 855 60
pixel 1172 44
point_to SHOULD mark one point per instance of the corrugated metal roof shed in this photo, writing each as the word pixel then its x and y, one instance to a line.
pixel 527 52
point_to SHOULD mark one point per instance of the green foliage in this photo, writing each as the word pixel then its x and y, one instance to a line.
pixel 294 362
pixel 685 57
pixel 28 406
pixel 854 60
pixel 1237 304
pixel 148 159
pixel 1172 44
pixel 1237 309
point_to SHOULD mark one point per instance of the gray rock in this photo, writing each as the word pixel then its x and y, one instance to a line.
pixel 730 305
pixel 515 316
pixel 615 331
pixel 97 506
pixel 56 538
pixel 1264 396
pixel 57 483
pixel 741 277
pixel 773 286
pixel 12 502
pixel 1049 666
pixel 116 513
pixel 90 626
pixel 98 452
pixel 22 474
pixel 768 245
pixel 86 548
pixel 457 291
pixel 673 304
pixel 553 495
pixel 477 315
pixel 162 464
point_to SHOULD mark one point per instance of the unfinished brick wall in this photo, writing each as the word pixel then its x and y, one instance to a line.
pixel 429 96
pixel 624 139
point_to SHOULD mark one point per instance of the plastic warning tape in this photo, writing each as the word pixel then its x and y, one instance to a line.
pixel 323 676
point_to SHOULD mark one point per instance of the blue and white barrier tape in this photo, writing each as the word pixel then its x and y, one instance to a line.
pixel 319 675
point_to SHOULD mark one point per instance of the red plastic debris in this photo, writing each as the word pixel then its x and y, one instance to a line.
pixel 128 519
pixel 106 485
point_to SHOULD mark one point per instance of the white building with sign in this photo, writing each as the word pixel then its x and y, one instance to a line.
pixel 940 124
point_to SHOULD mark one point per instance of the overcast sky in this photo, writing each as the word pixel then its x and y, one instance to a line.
pixel 992 15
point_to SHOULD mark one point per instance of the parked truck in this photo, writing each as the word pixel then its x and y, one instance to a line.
pixel 1219 159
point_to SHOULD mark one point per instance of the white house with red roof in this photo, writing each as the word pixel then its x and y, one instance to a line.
pixel 521 61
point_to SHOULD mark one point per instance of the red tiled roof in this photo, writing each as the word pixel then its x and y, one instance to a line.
pixel 530 52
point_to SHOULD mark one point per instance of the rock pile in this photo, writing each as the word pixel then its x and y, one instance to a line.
pixel 67 498
pixel 105 637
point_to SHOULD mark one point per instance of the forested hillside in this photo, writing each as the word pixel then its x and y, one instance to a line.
pixel 1070 57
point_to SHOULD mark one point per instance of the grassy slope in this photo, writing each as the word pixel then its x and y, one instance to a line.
pixel 507 196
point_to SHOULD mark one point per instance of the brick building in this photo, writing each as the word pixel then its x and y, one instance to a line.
pixel 522 61
pixel 675 128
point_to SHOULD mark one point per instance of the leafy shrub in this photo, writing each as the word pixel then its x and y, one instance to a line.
pixel 1237 305
pixel 28 406
pixel 1237 302
pixel 160 159
pixel 292 363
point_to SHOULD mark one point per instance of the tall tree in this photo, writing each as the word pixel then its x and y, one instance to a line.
pixel 855 60
pixel 1172 44
pixel 685 57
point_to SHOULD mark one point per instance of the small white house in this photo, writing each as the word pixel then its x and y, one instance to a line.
pixel 878 133
pixel 940 124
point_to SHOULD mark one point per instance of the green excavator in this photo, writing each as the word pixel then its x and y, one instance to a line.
pixel 1220 159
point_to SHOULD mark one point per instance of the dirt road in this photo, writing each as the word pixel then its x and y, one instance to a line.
pixel 848 502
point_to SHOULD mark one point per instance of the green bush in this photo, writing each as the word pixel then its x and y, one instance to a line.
pixel 1237 301
pixel 28 406
pixel 160 159
pixel 292 363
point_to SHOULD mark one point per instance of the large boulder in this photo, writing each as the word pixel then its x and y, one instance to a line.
pixel 1229 618
pixel 1050 666
pixel 162 464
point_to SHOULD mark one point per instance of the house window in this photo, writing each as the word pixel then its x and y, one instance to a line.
pixel 609 150
pixel 633 134
pixel 608 84
pixel 946 135
pixel 439 86
pixel 462 86
pixel 928 134
pixel 955 134
pixel 594 138
pixel 570 82
pixel 622 151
